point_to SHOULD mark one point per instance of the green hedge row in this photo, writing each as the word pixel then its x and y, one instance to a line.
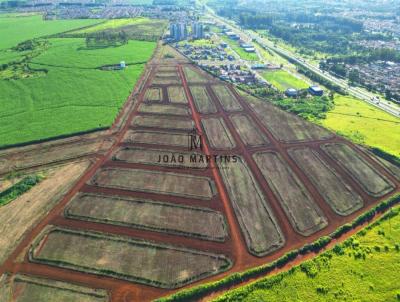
pixel 19 188
pixel 193 294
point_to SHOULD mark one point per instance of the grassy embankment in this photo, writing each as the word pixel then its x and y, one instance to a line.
pixel 73 95
pixel 360 269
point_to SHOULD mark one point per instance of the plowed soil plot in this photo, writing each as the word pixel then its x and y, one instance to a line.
pixel 248 131
pixel 194 76
pixel 23 288
pixel 177 95
pixel 305 216
pixel 164 109
pixel 218 134
pixel 159 80
pixel 153 95
pixel 393 169
pixel 369 179
pixel 162 122
pixel 156 138
pixel 284 126
pixel 202 100
pixel 257 222
pixel 155 182
pixel 226 98
pixel 167 74
pixel 125 258
pixel 339 195
pixel 161 158
pixel 150 215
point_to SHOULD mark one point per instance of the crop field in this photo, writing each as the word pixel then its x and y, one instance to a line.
pixel 248 131
pixel 177 95
pixel 156 138
pixel 369 179
pixel 283 80
pixel 202 99
pixel 164 122
pixel 153 95
pixel 218 134
pixel 160 157
pixel 335 191
pixel 150 215
pixel 226 98
pixel 296 129
pixel 73 95
pixel 126 258
pixel 302 211
pixel 258 224
pixel 183 185
pixel 163 109
pixel 359 269
pixel 23 288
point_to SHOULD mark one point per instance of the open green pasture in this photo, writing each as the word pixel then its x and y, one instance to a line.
pixel 73 96
pixel 113 23
pixel 283 80
pixel 363 268
pixel 249 56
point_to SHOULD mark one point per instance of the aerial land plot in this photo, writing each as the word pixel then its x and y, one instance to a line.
pixel 392 168
pixel 369 179
pixel 218 134
pixel 166 69
pixel 149 215
pixel 283 80
pixel 125 258
pixel 167 183
pixel 335 191
pixel 257 221
pixel 153 95
pixel 193 76
pixel 226 98
pixel 156 138
pixel 163 109
pixel 250 134
pixel 160 157
pixel 158 80
pixel 173 74
pixel 177 95
pixel 162 122
pixel 303 213
pixel 23 288
pixel 202 100
pixel 285 126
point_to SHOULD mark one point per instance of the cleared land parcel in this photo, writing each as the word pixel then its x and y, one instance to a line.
pixel 202 100
pixel 226 97
pixel 250 134
pixel 218 134
pixel 156 138
pixel 162 122
pixel 177 95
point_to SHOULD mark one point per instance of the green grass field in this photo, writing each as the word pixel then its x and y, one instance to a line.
pixel 112 24
pixel 283 80
pixel 14 30
pixel 363 123
pixel 73 96
pixel 363 268
pixel 240 51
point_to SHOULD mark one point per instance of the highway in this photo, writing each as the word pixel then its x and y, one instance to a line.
pixel 357 92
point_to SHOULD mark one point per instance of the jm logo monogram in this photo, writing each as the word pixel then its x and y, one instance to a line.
pixel 194 140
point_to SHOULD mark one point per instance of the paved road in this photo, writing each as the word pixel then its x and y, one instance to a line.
pixel 357 92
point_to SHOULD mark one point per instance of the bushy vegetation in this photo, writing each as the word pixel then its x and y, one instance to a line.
pixel 19 188
pixel 196 293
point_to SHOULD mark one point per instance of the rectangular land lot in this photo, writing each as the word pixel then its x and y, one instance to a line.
pixel 369 179
pixel 162 122
pixel 153 95
pixel 159 80
pixel 284 126
pixel 250 134
pixel 218 134
pixel 160 157
pixel 164 109
pixel 300 208
pixel 176 94
pixel 226 98
pixel 125 258
pixel 257 221
pixel 167 183
pixel 202 100
pixel 156 138
pixel 22 288
pixel 194 76
pixel 167 74
pixel 149 215
pixel 336 192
